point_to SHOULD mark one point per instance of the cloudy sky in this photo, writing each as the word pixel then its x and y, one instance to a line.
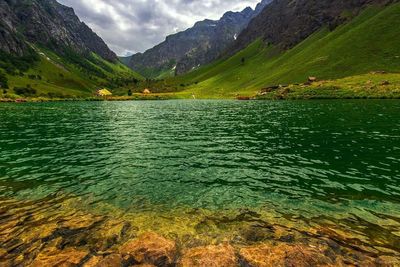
pixel 130 26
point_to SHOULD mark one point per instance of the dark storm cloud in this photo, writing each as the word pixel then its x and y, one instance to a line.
pixel 130 26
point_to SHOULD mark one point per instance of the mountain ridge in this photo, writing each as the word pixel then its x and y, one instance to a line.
pixel 198 45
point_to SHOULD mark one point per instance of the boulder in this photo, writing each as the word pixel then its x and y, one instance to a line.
pixel 283 255
pixel 217 256
pixel 150 248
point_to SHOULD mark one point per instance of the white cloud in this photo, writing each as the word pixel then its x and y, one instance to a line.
pixel 130 26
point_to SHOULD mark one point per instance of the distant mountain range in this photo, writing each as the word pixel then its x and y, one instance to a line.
pixel 196 46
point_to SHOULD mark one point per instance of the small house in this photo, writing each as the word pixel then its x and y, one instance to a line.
pixel 146 91
pixel 103 92
pixel 312 79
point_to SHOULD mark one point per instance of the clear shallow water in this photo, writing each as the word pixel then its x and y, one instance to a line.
pixel 328 162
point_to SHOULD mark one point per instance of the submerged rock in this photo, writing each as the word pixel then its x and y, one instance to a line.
pixel 54 257
pixel 283 255
pixel 80 221
pixel 387 261
pixel 93 261
pixel 111 233
pixel 150 248
pixel 113 260
pixel 221 256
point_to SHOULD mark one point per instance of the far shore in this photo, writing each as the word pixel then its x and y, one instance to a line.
pixel 176 97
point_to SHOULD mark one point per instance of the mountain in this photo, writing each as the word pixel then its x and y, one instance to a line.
pixel 358 58
pixel 288 22
pixel 46 41
pixel 196 46
pixel 47 23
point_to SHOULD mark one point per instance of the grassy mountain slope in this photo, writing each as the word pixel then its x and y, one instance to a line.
pixel 66 76
pixel 47 51
pixel 368 43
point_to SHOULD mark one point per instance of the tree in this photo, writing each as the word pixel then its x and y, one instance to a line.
pixel 243 60
pixel 129 92
pixel 3 81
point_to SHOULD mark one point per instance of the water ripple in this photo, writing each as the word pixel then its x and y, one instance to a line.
pixel 332 157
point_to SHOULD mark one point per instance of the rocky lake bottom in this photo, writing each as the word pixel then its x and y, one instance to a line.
pixel 57 231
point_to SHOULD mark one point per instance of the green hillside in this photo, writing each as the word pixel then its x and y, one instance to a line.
pixel 370 42
pixel 48 75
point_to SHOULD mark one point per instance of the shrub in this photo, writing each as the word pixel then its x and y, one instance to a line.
pixel 56 95
pixel 25 91
pixel 12 63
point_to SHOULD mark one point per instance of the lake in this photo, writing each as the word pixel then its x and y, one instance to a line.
pixel 209 171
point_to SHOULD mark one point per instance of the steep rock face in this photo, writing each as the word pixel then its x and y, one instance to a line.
pixel 47 23
pixel 288 22
pixel 196 46
pixel 9 41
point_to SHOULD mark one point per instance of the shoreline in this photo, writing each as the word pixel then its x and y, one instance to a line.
pixel 162 98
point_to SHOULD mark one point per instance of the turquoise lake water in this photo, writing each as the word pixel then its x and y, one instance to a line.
pixel 336 161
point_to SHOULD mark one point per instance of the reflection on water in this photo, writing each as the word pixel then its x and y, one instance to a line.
pixel 201 172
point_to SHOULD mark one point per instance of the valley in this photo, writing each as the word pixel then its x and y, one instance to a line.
pixel 359 57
